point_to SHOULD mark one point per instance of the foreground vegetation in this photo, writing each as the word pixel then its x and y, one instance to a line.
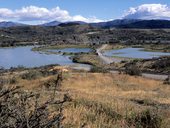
pixel 155 65
pixel 83 99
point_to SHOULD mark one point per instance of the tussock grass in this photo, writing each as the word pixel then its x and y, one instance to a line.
pixel 107 100
pixel 113 94
pixel 91 59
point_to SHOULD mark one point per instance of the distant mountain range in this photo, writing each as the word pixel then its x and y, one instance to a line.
pixel 120 23
pixel 53 23
pixel 56 23
pixel 114 23
pixel 5 24
pixel 147 24
pixel 133 23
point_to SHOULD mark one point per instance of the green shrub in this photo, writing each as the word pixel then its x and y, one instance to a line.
pixel 2 81
pixel 98 109
pixel 13 80
pixel 96 69
pixel 167 80
pixel 18 68
pixel 145 119
pixel 21 109
pixel 31 75
pixel 133 70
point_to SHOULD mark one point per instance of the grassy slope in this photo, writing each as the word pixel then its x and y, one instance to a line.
pixel 104 100
pixel 114 93
pixel 92 59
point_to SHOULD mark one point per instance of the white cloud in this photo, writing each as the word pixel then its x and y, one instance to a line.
pixel 148 11
pixel 5 13
pixel 39 14
pixel 81 18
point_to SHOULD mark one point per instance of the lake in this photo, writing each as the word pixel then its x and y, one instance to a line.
pixel 23 56
pixel 134 53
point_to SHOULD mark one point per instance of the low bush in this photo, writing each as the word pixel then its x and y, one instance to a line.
pixel 31 75
pixel 98 109
pixel 145 119
pixel 4 81
pixel 96 69
pixel 167 80
pixel 13 80
pixel 1 68
pixel 18 68
pixel 161 63
pixel 133 70
pixel 20 109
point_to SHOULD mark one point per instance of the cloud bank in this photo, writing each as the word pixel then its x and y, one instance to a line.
pixel 148 11
pixel 35 14
pixel 40 14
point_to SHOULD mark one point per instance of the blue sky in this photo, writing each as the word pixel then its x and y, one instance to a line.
pixel 90 9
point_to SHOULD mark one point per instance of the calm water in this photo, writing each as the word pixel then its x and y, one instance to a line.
pixel 72 50
pixel 13 57
pixel 134 53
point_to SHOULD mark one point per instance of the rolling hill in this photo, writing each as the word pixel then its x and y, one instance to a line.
pixel 6 24
pixel 134 23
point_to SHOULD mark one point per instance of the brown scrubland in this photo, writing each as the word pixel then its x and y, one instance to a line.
pixel 92 100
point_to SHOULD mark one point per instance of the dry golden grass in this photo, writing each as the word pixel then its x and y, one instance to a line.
pixel 114 91
pixel 105 100
pixel 115 85
pixel 90 59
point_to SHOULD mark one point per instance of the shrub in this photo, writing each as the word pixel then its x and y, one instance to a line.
pixel 145 119
pixel 20 109
pixel 162 63
pixel 31 75
pixel 4 81
pixel 167 80
pixel 13 80
pixel 2 68
pixel 18 68
pixel 133 70
pixel 96 69
pixel 99 109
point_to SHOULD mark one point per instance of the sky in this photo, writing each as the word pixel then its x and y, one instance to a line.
pixel 41 11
